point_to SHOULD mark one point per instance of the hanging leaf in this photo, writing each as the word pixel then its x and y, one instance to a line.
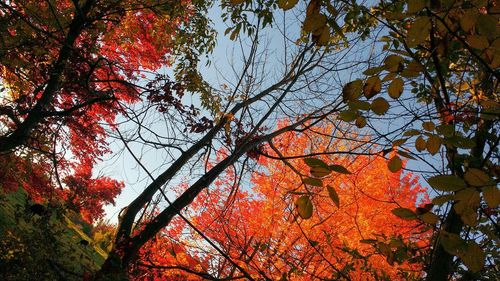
pixel 372 87
pixel 429 126
pixel 352 90
pixel 452 243
pixel 477 177
pixel 287 4
pixel 473 257
pixel 333 195
pixel 339 169
pixel 395 89
pixel 380 106
pixel 404 213
pixel 348 115
pixel 418 32
pixel 440 200
pixel 491 195
pixel 360 122
pixel 395 164
pixel 312 181
pixel 304 207
pixel 429 218
pixel 315 162
pixel 446 183
pixel 420 143
pixel 433 144
pixel 320 172
pixel 467 204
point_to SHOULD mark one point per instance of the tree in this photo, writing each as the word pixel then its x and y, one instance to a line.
pixel 260 228
pixel 68 69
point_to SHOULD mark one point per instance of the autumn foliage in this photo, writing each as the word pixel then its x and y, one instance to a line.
pixel 257 225
pixel 59 98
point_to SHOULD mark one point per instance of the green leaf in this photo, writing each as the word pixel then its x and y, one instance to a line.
pixel 440 200
pixel 429 218
pixel 333 195
pixel 404 213
pixel 380 106
pixel 304 207
pixel 339 169
pixel 399 142
pixel 312 181
pixel 446 183
pixel 405 154
pixel 395 164
pixel 315 162
pixel 320 172
pixel 358 104
pixel 348 115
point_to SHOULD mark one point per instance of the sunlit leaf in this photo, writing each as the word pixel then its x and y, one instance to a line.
pixel 395 89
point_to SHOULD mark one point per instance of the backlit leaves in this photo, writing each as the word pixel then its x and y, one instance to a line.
pixel 395 89
pixel 333 195
pixel 446 183
pixel 352 90
pixel 380 106
pixel 304 207
pixel 404 213
pixel 419 31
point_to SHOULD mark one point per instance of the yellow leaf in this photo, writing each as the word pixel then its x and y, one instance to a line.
pixel 433 144
pixel 429 126
pixel 415 6
pixel 467 204
pixel 304 207
pixel 314 22
pixel 352 90
pixel 372 87
pixel 348 115
pixel 491 195
pixel 395 164
pixel 420 143
pixel 287 4
pixel 360 122
pixel 396 88
pixel 418 32
pixel 380 106
pixel 392 63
